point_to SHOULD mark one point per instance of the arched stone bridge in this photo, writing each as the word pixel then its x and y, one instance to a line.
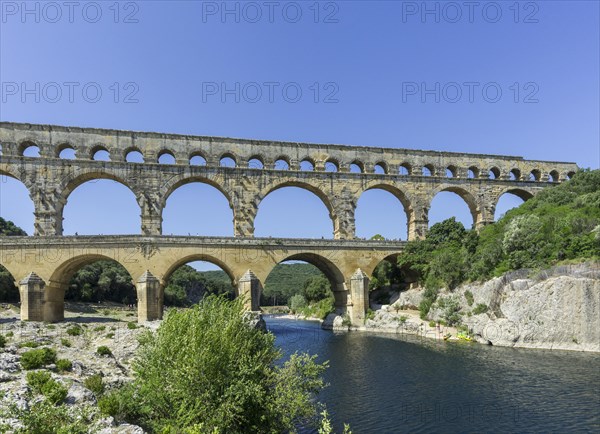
pixel 337 174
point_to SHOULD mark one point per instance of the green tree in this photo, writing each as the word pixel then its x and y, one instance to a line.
pixel 316 288
pixel 8 289
pixel 205 370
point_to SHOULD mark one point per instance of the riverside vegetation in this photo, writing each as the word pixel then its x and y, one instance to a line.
pixel 206 369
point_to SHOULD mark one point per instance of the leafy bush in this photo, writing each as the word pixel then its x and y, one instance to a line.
pixel 65 342
pixel 402 319
pixel 431 323
pixel 2 341
pixel 29 344
pixel 316 288
pixel 35 359
pixel 95 384
pixel 223 376
pixel 131 325
pixel 370 314
pixel 42 382
pixel 64 365
pixel 99 328
pixel 43 417
pixel 469 297
pixel 297 302
pixel 74 330
pixel 103 350
pixel 480 308
pixel 110 335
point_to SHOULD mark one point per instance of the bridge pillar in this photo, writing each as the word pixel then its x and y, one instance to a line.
pixel 249 288
pixel 151 214
pixel 31 290
pixel 417 229
pixel 150 298
pixel 46 224
pixel 359 296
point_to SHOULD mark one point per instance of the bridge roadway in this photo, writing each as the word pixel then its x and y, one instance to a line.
pixel 43 266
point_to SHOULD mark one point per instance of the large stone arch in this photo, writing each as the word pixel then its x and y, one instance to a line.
pixel 313 187
pixel 71 181
pixel 167 188
pixel 165 273
pixel 57 280
pixel 469 198
pixel 403 196
pixel 217 182
pixel 326 266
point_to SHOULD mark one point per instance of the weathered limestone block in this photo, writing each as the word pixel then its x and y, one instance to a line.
pixel 359 296
pixel 249 288
pixel 150 298
pixel 31 290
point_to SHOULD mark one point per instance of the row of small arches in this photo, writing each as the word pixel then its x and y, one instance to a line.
pixel 100 153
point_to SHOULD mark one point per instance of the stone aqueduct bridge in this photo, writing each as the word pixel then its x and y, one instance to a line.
pixel 43 264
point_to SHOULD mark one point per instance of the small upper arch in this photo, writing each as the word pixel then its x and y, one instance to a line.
pixel 99 152
pixel 166 156
pixel 494 173
pixel 381 168
pixel 535 175
pixel 256 162
pixel 228 159
pixel 473 172
pixel 307 164
pixel 553 176
pixel 428 170
pixel 197 158
pixel 405 169
pixel 357 167
pixel 282 163
pixel 332 165
pixel 65 151
pixel 451 171
pixel 133 154
pixel 515 174
pixel 28 148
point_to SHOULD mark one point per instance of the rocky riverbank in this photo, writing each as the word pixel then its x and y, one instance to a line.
pixel 557 308
pixel 77 340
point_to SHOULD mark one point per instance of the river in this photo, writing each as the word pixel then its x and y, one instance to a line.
pixel 395 384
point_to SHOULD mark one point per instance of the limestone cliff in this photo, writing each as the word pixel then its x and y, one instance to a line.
pixel 557 308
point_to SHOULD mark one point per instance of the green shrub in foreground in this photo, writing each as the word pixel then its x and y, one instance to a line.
pixel 64 365
pixel 223 375
pixel 74 331
pixel 103 350
pixel 95 384
pixel 42 382
pixel 2 341
pixel 44 417
pixel 38 358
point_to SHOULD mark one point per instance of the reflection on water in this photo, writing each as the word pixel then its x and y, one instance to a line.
pixel 390 384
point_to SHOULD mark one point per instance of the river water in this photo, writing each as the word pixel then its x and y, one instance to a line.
pixel 393 384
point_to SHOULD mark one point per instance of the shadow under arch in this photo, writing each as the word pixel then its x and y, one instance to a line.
pixel 164 278
pixel 56 286
pixel 465 195
pixel 317 191
pixel 331 272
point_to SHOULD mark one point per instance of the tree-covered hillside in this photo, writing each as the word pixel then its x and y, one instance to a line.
pixel 560 224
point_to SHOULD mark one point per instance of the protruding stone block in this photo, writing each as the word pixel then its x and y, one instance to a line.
pixel 249 288
pixel 150 298
pixel 31 289
pixel 359 294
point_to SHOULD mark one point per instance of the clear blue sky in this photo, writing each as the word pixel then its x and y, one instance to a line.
pixel 178 49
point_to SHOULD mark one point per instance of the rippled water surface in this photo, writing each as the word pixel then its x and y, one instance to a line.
pixel 394 384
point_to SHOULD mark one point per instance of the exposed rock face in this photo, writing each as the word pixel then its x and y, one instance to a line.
pixel 334 321
pixel 558 309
